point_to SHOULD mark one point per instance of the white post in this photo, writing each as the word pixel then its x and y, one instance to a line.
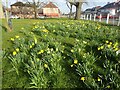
pixel 94 17
pixel 108 15
pixel 90 16
pixel 113 20
pixel 84 17
pixel 119 21
pixel 87 17
pixel 100 17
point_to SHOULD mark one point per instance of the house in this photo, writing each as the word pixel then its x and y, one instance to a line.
pixel 111 8
pixel 49 10
pixel 92 10
pixel 26 10
pixel 22 10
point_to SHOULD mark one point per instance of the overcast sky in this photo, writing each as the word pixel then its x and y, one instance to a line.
pixel 63 7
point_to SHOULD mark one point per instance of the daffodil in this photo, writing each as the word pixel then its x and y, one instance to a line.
pixel 82 78
pixel 17 49
pixel 38 59
pixel 107 41
pixel 22 28
pixel 17 36
pixel 30 46
pixel 115 45
pixel 71 65
pixel 35 39
pixel 109 46
pixel 98 48
pixel 115 49
pixel 98 79
pixel 41 51
pixel 14 53
pixel 110 43
pixel 108 86
pixel 45 30
pixel 12 39
pixel 45 65
pixel 102 47
pixel 75 61
pixel 33 44
pixel 72 50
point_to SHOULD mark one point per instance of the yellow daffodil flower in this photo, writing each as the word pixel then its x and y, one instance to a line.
pixel 38 59
pixel 12 39
pixel 17 49
pixel 115 49
pixel 75 61
pixel 17 36
pixel 14 53
pixel 108 86
pixel 109 46
pixel 45 65
pixel 110 43
pixel 98 48
pixel 33 44
pixel 30 46
pixel 45 30
pixel 102 47
pixel 82 78
pixel 115 45
pixel 41 51
pixel 71 65
pixel 72 50
pixel 98 79
pixel 107 41
pixel 35 39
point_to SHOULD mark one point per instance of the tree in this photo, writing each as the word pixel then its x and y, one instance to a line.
pixel 70 7
pixel 1 10
pixel 78 5
pixel 35 5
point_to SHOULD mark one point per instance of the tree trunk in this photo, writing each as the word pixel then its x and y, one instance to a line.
pixel 78 10
pixel 35 10
pixel 1 10
pixel 35 13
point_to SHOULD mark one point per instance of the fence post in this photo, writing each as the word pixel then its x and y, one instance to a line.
pixel 119 21
pixel 107 18
pixel 100 17
pixel 84 17
pixel 90 16
pixel 87 17
pixel 94 17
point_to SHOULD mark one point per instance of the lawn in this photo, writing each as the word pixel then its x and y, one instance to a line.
pixel 60 54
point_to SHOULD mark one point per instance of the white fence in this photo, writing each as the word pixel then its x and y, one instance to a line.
pixel 108 20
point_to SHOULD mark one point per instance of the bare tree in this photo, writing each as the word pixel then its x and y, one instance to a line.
pixel 78 5
pixel 70 7
pixel 35 4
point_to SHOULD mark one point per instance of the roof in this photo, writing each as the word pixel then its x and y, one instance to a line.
pixel 22 4
pixel 18 4
pixel 111 5
pixel 50 5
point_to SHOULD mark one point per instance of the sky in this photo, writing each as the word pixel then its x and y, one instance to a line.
pixel 62 4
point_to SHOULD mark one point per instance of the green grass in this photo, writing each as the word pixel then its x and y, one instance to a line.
pixel 10 79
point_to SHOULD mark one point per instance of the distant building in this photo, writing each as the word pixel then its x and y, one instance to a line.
pixel 111 8
pixel 22 10
pixel 49 10
pixel 26 10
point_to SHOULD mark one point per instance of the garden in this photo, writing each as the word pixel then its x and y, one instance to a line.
pixel 61 54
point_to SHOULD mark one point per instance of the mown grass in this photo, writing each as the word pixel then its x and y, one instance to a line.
pixel 11 79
